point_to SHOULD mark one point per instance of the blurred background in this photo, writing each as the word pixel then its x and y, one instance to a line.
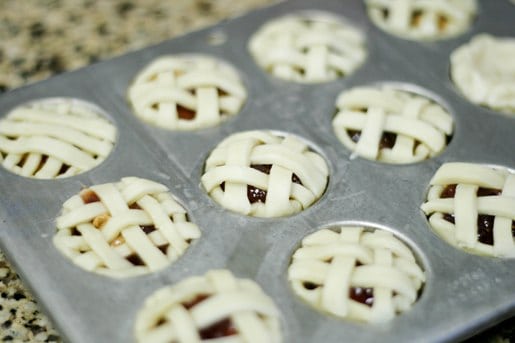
pixel 41 38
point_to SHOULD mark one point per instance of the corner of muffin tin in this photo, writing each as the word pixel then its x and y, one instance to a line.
pixel 456 299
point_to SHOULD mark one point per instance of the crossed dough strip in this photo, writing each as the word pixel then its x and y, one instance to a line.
pixel 207 88
pixel 466 206
pixel 420 125
pixel 484 71
pixel 307 47
pixel 230 164
pixel 422 19
pixel 165 318
pixel 329 264
pixel 54 138
pixel 102 236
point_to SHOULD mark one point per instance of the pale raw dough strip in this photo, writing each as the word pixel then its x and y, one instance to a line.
pixel 308 47
pixel 422 19
pixel 484 71
pixel 328 259
pixel 230 162
pixel 466 206
pixel 104 247
pixel 376 110
pixel 164 318
pixel 38 139
pixel 190 81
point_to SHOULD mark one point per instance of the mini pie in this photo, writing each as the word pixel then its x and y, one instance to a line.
pixel 484 71
pixel 124 229
pixel 356 273
pixel 472 206
pixel 54 138
pixel 308 47
pixel 422 19
pixel 216 307
pixel 187 92
pixel 391 125
pixel 263 174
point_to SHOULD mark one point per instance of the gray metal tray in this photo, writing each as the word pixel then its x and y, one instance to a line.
pixel 464 293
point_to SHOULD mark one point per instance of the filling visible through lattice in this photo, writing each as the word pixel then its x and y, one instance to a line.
pixel 356 273
pixel 210 307
pixel 129 228
pixel 308 47
pixel 472 206
pixel 390 125
pixel 259 173
pixel 187 92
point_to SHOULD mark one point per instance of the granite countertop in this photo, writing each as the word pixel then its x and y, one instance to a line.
pixel 40 38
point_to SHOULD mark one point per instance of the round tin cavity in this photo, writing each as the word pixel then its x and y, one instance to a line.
pixel 472 207
pixel 308 47
pixel 187 92
pixel 129 228
pixel 355 272
pixel 265 174
pixel 55 138
pixel 423 20
pixel 386 123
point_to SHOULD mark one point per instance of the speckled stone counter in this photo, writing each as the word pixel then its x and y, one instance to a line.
pixel 40 38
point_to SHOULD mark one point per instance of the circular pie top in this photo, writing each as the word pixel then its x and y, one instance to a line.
pixel 216 307
pixel 355 273
pixel 472 206
pixel 422 19
pixel 484 71
pixel 187 92
pixel 124 229
pixel 54 138
pixel 264 174
pixel 308 47
pixel 390 125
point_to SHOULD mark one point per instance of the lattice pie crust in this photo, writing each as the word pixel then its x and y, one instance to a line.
pixel 216 307
pixel 54 138
pixel 484 71
pixel 472 206
pixel 308 47
pixel 124 229
pixel 391 125
pixel 422 19
pixel 187 92
pixel 263 174
pixel 356 274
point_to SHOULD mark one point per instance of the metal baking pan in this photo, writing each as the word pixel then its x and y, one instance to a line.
pixel 463 294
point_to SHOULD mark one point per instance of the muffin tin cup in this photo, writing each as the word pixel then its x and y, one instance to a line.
pixel 463 293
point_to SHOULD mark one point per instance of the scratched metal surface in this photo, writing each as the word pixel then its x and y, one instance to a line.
pixel 464 293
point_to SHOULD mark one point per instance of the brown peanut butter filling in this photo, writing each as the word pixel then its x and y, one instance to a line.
pixel 89 196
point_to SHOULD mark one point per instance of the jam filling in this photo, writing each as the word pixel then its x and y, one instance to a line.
pixel 185 113
pixel 255 194
pixel 387 139
pixel 88 196
pixel 485 223
pixel 362 295
pixel 222 328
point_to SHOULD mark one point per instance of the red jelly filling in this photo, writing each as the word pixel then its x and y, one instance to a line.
pixel 222 328
pixel 485 223
pixel 387 139
pixel 255 194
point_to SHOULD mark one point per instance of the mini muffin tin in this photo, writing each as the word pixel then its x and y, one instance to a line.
pixel 463 294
